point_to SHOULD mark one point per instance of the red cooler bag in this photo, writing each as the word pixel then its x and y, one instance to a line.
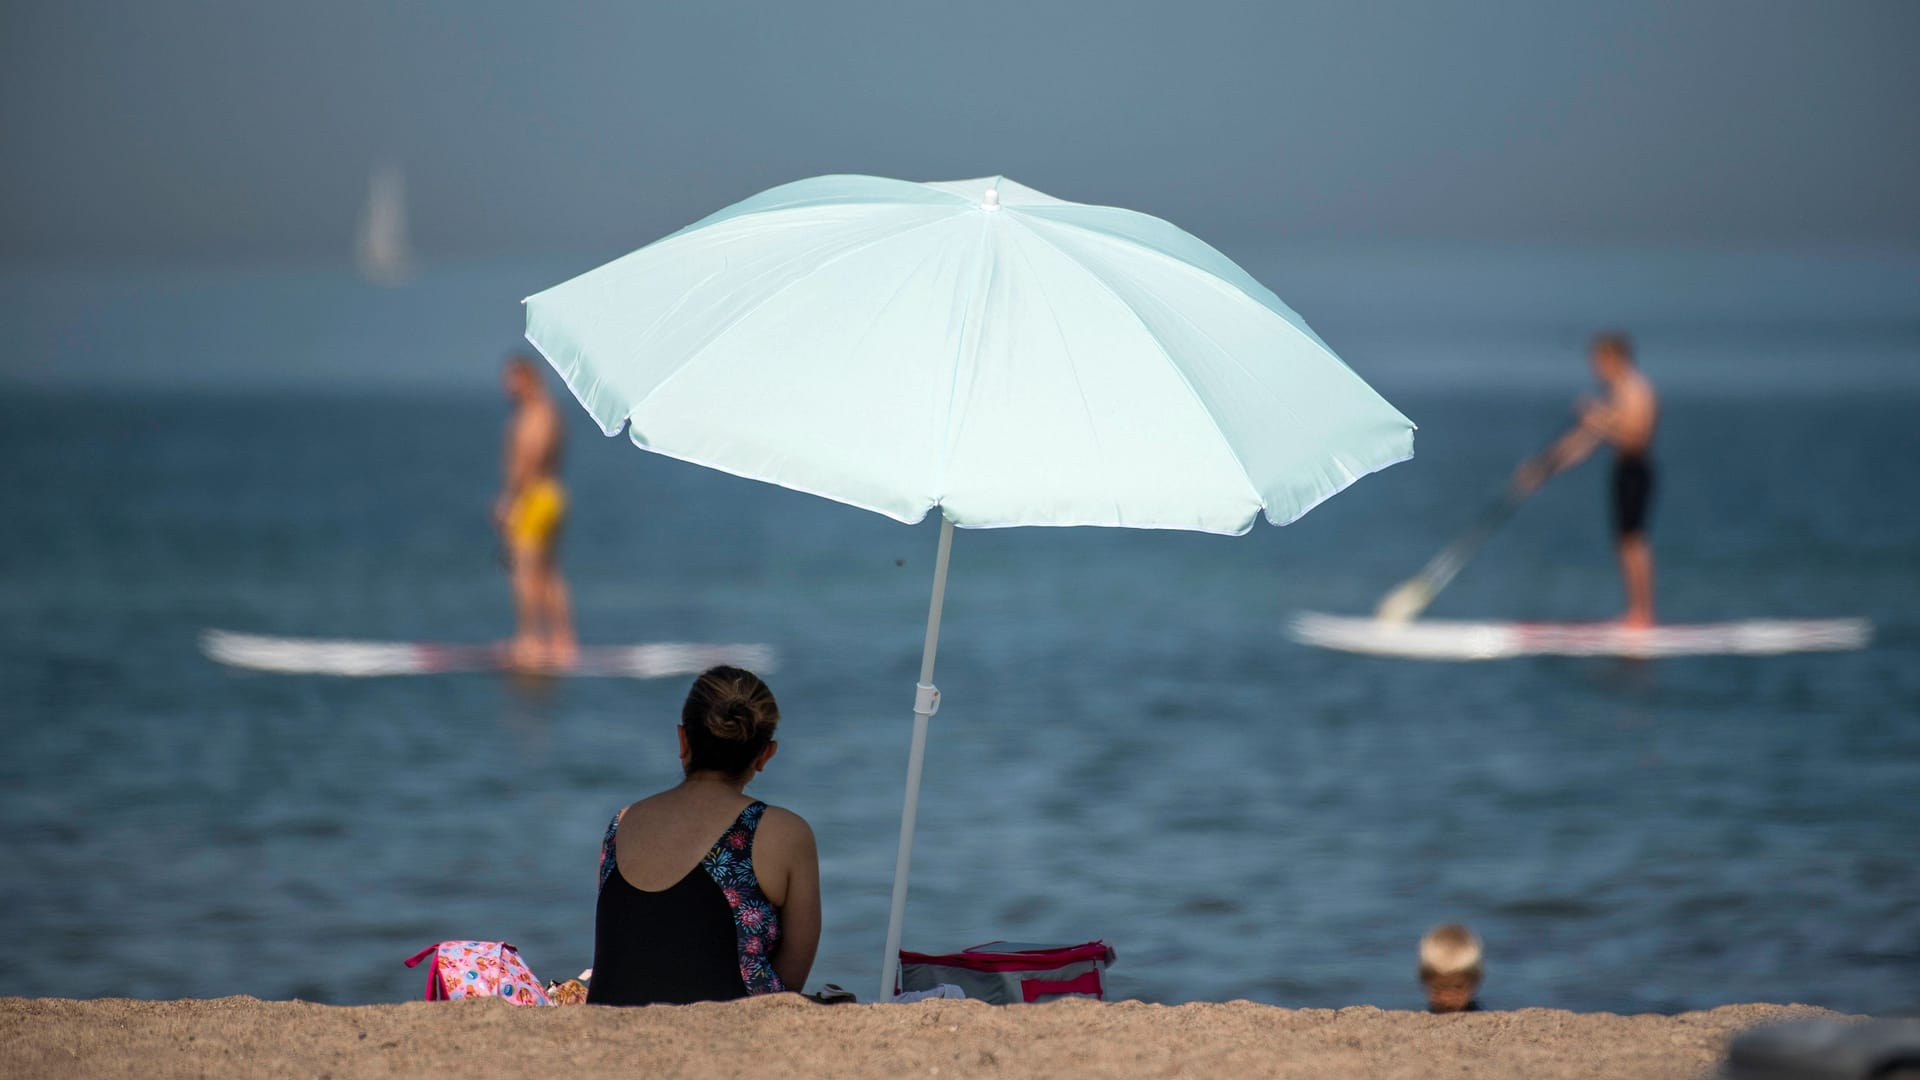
pixel 1012 973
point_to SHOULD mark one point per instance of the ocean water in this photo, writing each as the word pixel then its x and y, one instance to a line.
pixel 1129 747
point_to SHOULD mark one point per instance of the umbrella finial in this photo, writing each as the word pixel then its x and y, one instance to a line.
pixel 991 200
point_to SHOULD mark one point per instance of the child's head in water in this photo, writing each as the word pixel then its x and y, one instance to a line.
pixel 1450 967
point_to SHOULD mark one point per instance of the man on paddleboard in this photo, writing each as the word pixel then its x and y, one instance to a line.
pixel 529 513
pixel 1626 418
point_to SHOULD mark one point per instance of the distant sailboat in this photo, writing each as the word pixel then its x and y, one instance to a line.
pixel 380 245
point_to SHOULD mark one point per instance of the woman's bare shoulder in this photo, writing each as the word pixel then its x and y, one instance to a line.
pixel 783 824
pixel 651 805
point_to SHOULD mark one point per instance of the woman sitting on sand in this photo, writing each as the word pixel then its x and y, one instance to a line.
pixel 683 916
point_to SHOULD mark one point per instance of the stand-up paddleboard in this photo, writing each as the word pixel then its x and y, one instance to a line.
pixel 1450 639
pixel 317 656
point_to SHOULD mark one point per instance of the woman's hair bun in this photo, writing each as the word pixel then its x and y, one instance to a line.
pixel 732 721
pixel 729 717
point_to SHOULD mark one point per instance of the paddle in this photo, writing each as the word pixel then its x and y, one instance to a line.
pixel 1412 596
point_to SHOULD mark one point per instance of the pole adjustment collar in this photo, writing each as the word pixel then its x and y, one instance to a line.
pixel 926 699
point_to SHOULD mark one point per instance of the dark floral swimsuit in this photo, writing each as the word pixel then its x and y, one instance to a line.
pixel 709 937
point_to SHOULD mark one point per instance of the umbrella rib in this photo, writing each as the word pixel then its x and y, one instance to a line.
pixel 735 323
pixel 1337 456
pixel 1207 276
pixel 726 215
pixel 1153 251
pixel 1062 216
pixel 983 290
pixel 905 280
pixel 1073 369
pixel 1351 471
pixel 1160 347
pixel 1250 374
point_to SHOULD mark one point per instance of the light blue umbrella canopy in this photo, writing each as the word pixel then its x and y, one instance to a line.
pixel 972 345
pixel 976 345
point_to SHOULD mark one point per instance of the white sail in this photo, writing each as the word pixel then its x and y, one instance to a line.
pixel 381 243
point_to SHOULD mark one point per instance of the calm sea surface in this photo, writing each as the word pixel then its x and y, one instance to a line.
pixel 1130 748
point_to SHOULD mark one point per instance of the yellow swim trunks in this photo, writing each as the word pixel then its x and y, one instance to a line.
pixel 536 515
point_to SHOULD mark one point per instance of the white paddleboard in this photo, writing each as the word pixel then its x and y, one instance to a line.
pixel 319 656
pixel 1451 639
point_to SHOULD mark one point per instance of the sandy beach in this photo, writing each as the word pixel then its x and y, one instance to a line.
pixel 787 1035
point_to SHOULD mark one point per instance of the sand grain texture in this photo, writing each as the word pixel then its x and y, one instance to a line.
pixel 787 1035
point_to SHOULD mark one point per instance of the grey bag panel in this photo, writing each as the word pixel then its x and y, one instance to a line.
pixel 991 986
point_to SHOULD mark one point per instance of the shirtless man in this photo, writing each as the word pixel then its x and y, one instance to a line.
pixel 529 512
pixel 1626 418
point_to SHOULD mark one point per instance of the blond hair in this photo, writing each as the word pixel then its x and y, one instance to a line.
pixel 1449 951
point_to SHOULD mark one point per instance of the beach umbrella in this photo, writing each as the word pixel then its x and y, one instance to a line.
pixel 974 346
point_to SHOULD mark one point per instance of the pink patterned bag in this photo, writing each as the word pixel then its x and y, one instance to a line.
pixel 479 969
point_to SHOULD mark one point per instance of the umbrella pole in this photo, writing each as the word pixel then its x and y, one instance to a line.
pixel 926 701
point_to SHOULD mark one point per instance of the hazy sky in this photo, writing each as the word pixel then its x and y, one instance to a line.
pixel 247 129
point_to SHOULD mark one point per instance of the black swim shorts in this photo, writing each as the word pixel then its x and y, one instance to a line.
pixel 1632 494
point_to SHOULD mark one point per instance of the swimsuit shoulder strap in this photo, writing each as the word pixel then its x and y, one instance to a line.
pixel 736 844
pixel 606 845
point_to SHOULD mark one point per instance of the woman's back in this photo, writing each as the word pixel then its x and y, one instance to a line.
pixel 707 894
pixel 707 935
